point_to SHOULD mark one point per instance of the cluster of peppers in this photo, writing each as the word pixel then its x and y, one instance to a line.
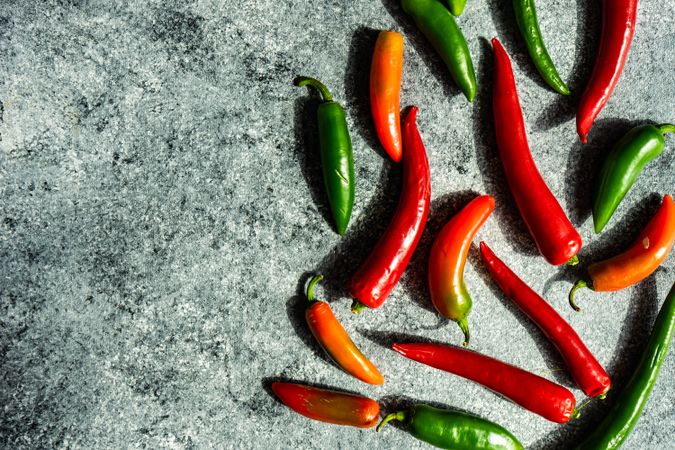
pixel 555 237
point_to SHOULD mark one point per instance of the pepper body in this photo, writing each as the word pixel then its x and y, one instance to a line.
pixel 554 235
pixel 445 428
pixel 329 406
pixel 440 28
pixel 623 165
pixel 526 18
pixel 378 274
pixel 385 87
pixel 582 365
pixel 448 258
pixel 456 7
pixel 628 406
pixel 532 392
pixel 618 28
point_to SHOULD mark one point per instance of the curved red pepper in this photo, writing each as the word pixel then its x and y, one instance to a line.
pixel 618 27
pixel 585 369
pixel 556 238
pixel 377 276
pixel 532 392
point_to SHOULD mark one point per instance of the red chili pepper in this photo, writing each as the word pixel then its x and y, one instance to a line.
pixel 528 390
pixel 377 276
pixel 585 369
pixel 618 27
pixel 329 406
pixel 556 238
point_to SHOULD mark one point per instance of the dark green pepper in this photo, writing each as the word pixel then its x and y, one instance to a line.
pixel 438 25
pixel 445 428
pixel 622 166
pixel 627 408
pixel 337 161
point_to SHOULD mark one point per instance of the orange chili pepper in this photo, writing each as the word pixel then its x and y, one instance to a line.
pixel 335 341
pixel 639 261
pixel 385 88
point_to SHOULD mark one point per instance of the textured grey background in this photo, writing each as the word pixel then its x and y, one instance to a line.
pixel 161 206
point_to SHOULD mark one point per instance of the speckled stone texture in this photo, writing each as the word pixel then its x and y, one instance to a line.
pixel 161 206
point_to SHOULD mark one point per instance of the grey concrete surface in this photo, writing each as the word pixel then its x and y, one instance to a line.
pixel 161 206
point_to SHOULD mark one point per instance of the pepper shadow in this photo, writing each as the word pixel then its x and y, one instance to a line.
pixel 386 339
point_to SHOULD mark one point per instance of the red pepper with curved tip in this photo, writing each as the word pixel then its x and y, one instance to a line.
pixel 585 369
pixel 532 392
pixel 379 273
pixel 556 238
pixel 448 258
pixel 329 406
pixel 618 27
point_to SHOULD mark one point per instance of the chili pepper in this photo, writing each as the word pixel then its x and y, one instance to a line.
pixel 627 407
pixel 379 273
pixel 618 27
pixel 438 25
pixel 585 369
pixel 556 238
pixel 329 406
pixel 337 161
pixel 639 261
pixel 385 88
pixel 526 18
pixel 455 430
pixel 448 257
pixel 335 341
pixel 622 166
pixel 526 389
pixel 456 7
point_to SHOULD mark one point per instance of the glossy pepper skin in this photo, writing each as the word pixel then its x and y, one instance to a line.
pixel 532 392
pixel 582 365
pixel 329 406
pixel 385 88
pixel 379 273
pixel 448 258
pixel 627 407
pixel 526 18
pixel 438 25
pixel 337 161
pixel 335 341
pixel 445 428
pixel 556 238
pixel 639 261
pixel 456 7
pixel 623 165
pixel 618 27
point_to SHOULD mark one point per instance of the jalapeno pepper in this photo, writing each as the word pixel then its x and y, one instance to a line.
pixel 337 161
pixel 627 408
pixel 456 6
pixel 639 261
pixel 438 25
pixel 623 165
pixel 455 430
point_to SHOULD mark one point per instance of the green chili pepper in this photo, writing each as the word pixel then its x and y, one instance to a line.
pixel 625 412
pixel 526 18
pixel 622 166
pixel 438 25
pixel 453 429
pixel 456 6
pixel 337 161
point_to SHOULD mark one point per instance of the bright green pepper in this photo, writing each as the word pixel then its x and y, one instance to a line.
pixel 453 429
pixel 337 161
pixel 622 166
pixel 625 412
pixel 456 6
pixel 438 25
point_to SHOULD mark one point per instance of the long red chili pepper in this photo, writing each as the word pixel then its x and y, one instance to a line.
pixel 528 390
pixel 618 27
pixel 377 276
pixel 585 369
pixel 556 238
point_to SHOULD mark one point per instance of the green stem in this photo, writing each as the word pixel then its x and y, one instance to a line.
pixel 464 325
pixel 310 287
pixel 357 307
pixel 573 261
pixel 666 128
pixel 400 416
pixel 316 84
pixel 578 285
pixel 576 412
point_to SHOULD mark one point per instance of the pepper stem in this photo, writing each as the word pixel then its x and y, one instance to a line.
pixel 310 287
pixel 464 325
pixel 400 416
pixel 576 412
pixel 357 307
pixel 578 285
pixel 573 261
pixel 666 128
pixel 316 84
